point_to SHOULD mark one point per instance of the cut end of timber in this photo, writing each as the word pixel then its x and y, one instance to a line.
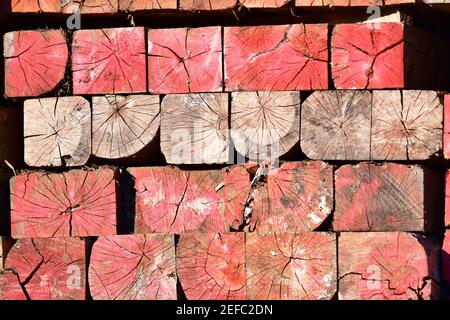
pixel 35 6
pixel 212 266
pixel 284 57
pixel 265 125
pixel 384 266
pixel 57 132
pixel 109 61
pixel 133 267
pixel 264 3
pixel 123 125
pixel 137 5
pixel 372 197
pixel 447 199
pixel 35 62
pixel 75 203
pixel 446 138
pixel 207 4
pixel 46 269
pixel 185 60
pixel 90 6
pixel 169 200
pixel 194 128
pixel 291 266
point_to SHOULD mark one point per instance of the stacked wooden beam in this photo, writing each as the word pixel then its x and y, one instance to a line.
pixel 327 144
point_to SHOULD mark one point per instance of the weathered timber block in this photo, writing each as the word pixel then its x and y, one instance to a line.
pixel 297 197
pixel 264 3
pixel 349 3
pixel 283 57
pixel 387 55
pixel 109 61
pixel 47 269
pixel 291 266
pixel 212 266
pixel 35 6
pixel 10 287
pixel 75 203
pixel 136 5
pixel 169 200
pixel 265 125
pixel 447 199
pixel 35 61
pixel 90 6
pixel 207 4
pixel 123 125
pixel 194 128
pixel 185 60
pixel 133 267
pixel 336 125
pixel 388 197
pixel 5 246
pixel 57 132
pixel 446 138
pixel 385 266
pixel 10 134
pixel 445 256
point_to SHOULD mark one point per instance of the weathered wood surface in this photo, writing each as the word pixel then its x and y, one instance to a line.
pixel 185 60
pixel 34 6
pixel 283 57
pixel 349 3
pixel 212 266
pixel 133 267
pixel 446 138
pixel 447 199
pixel 194 128
pixel 90 6
pixel 75 203
pixel 169 200
pixel 297 197
pixel 136 5
pixel 265 124
pixel 109 61
pixel 123 125
pixel 35 61
pixel 264 3
pixel 57 132
pixel 384 266
pixel 372 197
pixel 336 125
pixel 10 136
pixel 291 266
pixel 207 4
pixel 47 269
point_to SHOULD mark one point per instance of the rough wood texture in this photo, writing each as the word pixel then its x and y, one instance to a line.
pixel 212 266
pixel 264 3
pixel 383 266
pixel 133 267
pixel 123 125
pixel 185 60
pixel 90 6
pixel 207 4
pixel 348 3
pixel 169 200
pixel 5 245
pixel 35 61
pixel 10 133
pixel 194 128
pixel 446 138
pixel 135 5
pixel 336 125
pixel 445 256
pixel 109 61
pixel 34 6
pixel 57 132
pixel 284 57
pixel 75 203
pixel 47 269
pixel 447 199
pixel 298 197
pixel 406 125
pixel 265 125
pixel 10 288
pixel 387 55
pixel 372 197
pixel 291 266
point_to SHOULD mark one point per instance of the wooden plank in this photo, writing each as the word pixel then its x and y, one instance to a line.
pixel 373 197
pixel 136 5
pixel 446 137
pixel 109 61
pixel 123 125
pixel 57 132
pixel 384 266
pixel 264 3
pixel 48 269
pixel 265 124
pixel 35 61
pixel 336 125
pixel 194 128
pixel 185 60
pixel 207 4
pixel 75 203
pixel 283 57
pixel 10 136
pixel 291 266
pixel 133 267
pixel 212 266
pixel 169 200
